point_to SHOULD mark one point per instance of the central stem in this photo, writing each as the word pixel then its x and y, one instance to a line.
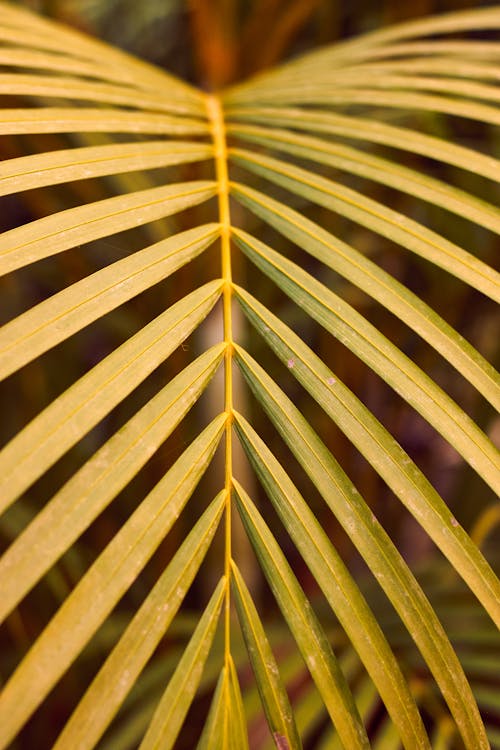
pixel 219 137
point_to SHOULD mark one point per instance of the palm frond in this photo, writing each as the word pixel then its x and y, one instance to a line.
pixel 282 195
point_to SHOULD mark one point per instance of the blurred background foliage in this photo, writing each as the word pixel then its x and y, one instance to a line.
pixel 213 43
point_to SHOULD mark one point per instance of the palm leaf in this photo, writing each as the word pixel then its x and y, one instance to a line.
pixel 268 187
pixel 142 635
pixel 274 698
pixel 181 689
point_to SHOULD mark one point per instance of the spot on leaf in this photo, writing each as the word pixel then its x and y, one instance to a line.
pixel 281 741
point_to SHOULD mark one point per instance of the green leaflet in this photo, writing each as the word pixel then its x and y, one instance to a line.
pixel 371 130
pixel 29 30
pixel 75 226
pixel 236 725
pixel 375 282
pixel 76 89
pixel 308 633
pixel 273 694
pixel 381 450
pixel 124 664
pixel 212 737
pixel 374 45
pixel 338 587
pixel 67 165
pixel 103 585
pixel 79 408
pixel 357 161
pixel 405 377
pixel 392 99
pixel 94 120
pixel 384 562
pixel 52 321
pixel 366 212
pixel 92 488
pixel 177 698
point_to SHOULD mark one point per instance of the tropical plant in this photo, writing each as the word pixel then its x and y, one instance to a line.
pixel 283 163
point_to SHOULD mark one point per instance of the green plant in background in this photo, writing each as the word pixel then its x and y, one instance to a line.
pixel 254 225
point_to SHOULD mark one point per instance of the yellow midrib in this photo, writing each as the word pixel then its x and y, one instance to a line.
pixel 216 118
